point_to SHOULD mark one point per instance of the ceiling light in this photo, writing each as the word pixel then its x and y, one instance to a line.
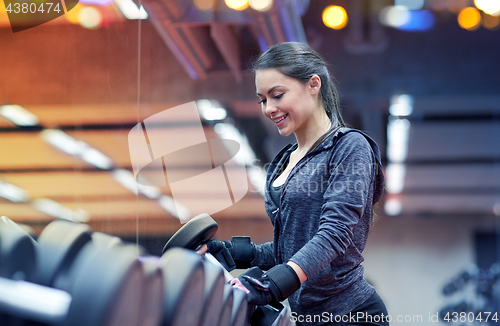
pixel 261 5
pixel 490 7
pixel 335 17
pixel 175 208
pixel 13 193
pixel 420 20
pixel 215 114
pixel 393 207
pixel 401 105
pixel 93 157
pixel 59 211
pixel 395 177
pixel 227 131
pixel 237 4
pixel 211 110
pixel 394 16
pixel 127 180
pixel 18 115
pixel 397 140
pixel 469 19
pixel 130 10
pixel 64 142
pixel 90 18
pixel 410 4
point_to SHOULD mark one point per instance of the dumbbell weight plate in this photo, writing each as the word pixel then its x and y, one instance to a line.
pixel 17 261
pixel 240 306
pixel 105 240
pixel 214 292
pixel 17 251
pixel 59 244
pixel 227 306
pixel 105 286
pixel 184 277
pixel 284 319
pixel 152 302
pixel 192 234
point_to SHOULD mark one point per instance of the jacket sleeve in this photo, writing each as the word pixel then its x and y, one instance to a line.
pixel 264 256
pixel 344 202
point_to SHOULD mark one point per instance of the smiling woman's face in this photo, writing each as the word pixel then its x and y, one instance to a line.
pixel 288 102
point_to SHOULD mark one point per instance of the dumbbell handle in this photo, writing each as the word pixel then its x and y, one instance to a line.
pixel 209 257
pixel 32 301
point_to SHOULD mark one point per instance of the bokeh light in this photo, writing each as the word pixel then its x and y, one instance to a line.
pixel 72 15
pixel 490 22
pixel 204 4
pixel 261 5
pixel 335 17
pixel 90 17
pixel 469 19
pixel 491 7
pixel 237 4
pixel 394 16
pixel 410 4
pixel 420 20
pixel 393 206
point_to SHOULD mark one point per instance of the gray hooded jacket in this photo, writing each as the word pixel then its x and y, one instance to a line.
pixel 322 222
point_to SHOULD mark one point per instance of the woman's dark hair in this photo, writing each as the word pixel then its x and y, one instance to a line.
pixel 299 61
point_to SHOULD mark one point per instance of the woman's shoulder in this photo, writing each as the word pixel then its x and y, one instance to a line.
pixel 349 137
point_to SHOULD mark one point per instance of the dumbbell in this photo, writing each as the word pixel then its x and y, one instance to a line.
pixel 240 307
pixel 227 306
pixel 184 289
pixel 17 259
pixel 214 294
pixel 102 286
pixel 103 292
pixel 17 251
pixel 192 235
pixel 162 300
pixel 73 236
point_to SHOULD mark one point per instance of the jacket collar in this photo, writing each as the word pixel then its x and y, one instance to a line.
pixel 328 143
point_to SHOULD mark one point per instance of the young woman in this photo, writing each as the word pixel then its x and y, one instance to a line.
pixel 319 197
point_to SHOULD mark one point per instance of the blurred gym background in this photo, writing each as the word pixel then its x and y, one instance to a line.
pixel 421 77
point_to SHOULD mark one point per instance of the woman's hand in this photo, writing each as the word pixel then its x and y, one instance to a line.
pixel 275 285
pixel 203 249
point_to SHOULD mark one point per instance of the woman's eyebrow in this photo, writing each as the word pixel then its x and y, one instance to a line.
pixel 270 90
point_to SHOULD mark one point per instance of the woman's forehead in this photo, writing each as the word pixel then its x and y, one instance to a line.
pixel 270 77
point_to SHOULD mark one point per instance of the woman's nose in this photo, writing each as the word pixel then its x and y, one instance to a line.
pixel 270 110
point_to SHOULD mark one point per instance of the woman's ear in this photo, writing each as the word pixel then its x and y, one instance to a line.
pixel 314 84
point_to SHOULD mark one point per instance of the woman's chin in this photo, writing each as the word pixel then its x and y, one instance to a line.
pixel 284 132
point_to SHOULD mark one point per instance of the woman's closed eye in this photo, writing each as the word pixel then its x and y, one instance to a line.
pixel 277 96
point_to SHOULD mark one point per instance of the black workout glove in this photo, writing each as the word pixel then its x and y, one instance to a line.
pixel 240 251
pixel 274 286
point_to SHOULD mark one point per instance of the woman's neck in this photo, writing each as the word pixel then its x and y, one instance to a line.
pixel 316 126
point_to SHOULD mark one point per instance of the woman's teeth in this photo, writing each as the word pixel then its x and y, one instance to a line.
pixel 280 119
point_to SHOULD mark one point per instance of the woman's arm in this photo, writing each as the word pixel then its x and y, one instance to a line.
pixel 344 203
pixel 264 256
pixel 300 273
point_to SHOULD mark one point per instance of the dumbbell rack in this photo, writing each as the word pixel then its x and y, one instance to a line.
pixel 73 276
